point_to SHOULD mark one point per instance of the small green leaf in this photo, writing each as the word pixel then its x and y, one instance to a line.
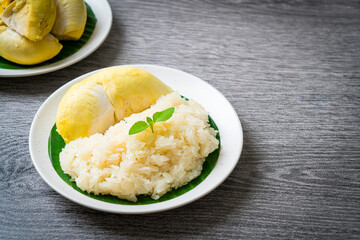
pixel 138 127
pixel 149 121
pixel 156 116
pixel 163 115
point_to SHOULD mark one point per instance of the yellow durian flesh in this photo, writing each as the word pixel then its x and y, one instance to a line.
pixel 1 10
pixel 84 110
pixel 70 19
pixel 21 50
pixel 3 5
pixel 130 89
pixel 33 19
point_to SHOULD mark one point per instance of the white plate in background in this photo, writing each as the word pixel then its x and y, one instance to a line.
pixel 103 14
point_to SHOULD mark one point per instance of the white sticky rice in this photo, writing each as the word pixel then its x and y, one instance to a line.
pixel 147 163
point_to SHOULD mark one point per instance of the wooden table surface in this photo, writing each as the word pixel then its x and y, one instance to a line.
pixel 291 69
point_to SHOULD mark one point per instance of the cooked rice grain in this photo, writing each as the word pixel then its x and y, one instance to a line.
pixel 147 163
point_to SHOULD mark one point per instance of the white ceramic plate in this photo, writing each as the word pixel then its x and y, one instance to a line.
pixel 102 11
pixel 215 103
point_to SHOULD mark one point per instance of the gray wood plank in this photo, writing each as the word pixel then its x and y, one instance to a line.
pixel 291 69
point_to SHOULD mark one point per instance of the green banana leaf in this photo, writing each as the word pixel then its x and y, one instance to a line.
pixel 69 47
pixel 56 144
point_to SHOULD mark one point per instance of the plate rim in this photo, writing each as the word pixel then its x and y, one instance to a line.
pixel 86 201
pixel 94 42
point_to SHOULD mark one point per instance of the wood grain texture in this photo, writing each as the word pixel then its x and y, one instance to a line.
pixel 291 69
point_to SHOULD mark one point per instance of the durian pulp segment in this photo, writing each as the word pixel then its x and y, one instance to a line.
pixel 33 19
pixel 84 110
pixel 105 98
pixel 3 5
pixel 1 10
pixel 130 90
pixel 70 19
pixel 21 50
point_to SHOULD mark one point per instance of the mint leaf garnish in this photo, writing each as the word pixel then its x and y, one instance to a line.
pixel 138 127
pixel 157 117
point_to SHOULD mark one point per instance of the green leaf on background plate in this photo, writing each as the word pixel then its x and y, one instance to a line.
pixel 69 47
pixel 56 144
